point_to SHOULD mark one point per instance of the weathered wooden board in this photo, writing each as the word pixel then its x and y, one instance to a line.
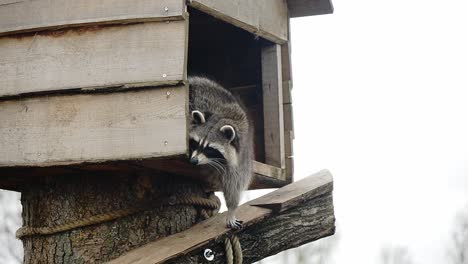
pixel 273 105
pixel 289 152
pixel 27 15
pixel 254 214
pixel 267 170
pixel 93 57
pixel 293 194
pixel 299 8
pixel 266 18
pixel 68 129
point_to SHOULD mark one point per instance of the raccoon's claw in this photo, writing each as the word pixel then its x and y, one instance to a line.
pixel 235 224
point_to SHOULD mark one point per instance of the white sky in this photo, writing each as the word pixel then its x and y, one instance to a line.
pixel 381 100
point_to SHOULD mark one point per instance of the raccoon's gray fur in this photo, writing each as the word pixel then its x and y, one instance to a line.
pixel 221 136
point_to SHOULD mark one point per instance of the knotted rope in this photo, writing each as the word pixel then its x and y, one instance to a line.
pixel 233 250
pixel 211 204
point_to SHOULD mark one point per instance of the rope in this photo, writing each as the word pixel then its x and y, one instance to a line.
pixel 233 250
pixel 228 249
pixel 105 217
pixel 198 201
pixel 237 250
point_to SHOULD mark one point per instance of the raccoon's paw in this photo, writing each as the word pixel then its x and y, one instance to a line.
pixel 234 223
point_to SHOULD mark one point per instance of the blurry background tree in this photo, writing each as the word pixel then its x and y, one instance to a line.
pixel 458 250
pixel 395 255
pixel 11 250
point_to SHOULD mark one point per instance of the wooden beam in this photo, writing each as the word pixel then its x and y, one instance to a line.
pixel 273 105
pixel 22 16
pixel 69 129
pixel 266 18
pixel 289 217
pixel 265 176
pixel 95 57
pixel 295 193
pixel 267 170
pixel 15 178
pixel 299 8
pixel 289 155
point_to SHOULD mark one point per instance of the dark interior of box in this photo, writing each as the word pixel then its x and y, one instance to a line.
pixel 232 57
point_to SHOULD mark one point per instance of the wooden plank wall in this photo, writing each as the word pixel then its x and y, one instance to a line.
pixel 125 55
pixel 273 105
pixel 266 18
pixel 26 15
pixel 67 129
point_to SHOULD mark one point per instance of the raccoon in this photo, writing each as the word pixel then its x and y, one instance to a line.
pixel 221 136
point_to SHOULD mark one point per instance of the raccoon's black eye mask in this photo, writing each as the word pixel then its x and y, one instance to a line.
pixel 209 152
pixel 213 153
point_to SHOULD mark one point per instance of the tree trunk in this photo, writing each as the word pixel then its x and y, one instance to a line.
pixel 68 198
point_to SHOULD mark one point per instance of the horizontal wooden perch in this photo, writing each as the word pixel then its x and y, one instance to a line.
pixel 296 214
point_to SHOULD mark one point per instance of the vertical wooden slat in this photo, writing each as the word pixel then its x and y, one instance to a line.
pixel 272 84
pixel 288 107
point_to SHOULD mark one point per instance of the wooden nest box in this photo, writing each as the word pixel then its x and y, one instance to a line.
pixel 101 86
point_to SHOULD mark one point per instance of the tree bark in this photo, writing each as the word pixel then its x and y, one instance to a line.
pixel 68 198
pixel 305 223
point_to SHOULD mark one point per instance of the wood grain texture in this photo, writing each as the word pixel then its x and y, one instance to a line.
pixel 125 55
pixel 273 105
pixel 20 16
pixel 288 130
pixel 289 153
pixel 60 130
pixel 266 18
pixel 267 170
pixel 297 192
pixel 299 8
pixel 306 216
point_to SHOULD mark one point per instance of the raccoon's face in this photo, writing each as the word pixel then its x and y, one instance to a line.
pixel 212 141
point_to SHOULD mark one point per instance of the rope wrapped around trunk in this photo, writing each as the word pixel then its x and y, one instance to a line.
pixel 210 207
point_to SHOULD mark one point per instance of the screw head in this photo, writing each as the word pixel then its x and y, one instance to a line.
pixel 164 75
pixel 208 254
pixel 166 9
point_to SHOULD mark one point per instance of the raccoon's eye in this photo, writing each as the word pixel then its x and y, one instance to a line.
pixel 212 153
pixel 193 145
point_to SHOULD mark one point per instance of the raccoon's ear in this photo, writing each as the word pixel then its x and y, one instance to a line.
pixel 229 132
pixel 198 117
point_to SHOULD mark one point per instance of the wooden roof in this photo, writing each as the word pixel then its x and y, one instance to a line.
pixel 300 8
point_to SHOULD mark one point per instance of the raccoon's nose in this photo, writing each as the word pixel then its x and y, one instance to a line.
pixel 194 161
